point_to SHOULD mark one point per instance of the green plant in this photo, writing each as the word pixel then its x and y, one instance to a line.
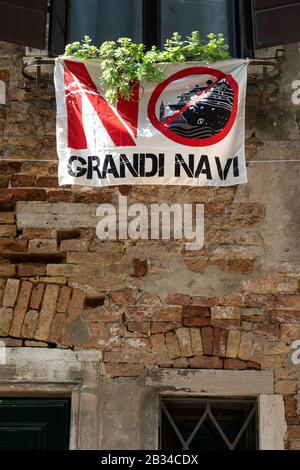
pixel 125 63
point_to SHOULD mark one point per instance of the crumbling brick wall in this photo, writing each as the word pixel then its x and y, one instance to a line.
pixel 235 304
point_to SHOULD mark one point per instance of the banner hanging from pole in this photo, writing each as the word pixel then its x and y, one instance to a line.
pixel 187 130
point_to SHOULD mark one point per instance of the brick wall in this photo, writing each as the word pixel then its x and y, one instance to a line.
pixel 233 305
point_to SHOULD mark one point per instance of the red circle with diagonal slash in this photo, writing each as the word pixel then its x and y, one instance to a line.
pixel 161 127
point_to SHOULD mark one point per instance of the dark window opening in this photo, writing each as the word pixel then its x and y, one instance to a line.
pixel 153 21
pixel 208 424
pixel 246 24
pixel 34 424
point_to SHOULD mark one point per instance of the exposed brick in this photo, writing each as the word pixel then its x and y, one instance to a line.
pixel 181 363
pixel 162 327
pixel 143 344
pixel 8 230
pixel 48 309
pixel 10 168
pixel 272 331
pixel 172 346
pixel 140 268
pixel 273 283
pixel 74 245
pixel 7 217
pixel 184 340
pixel 241 265
pixel 4 180
pixel 247 214
pixel 204 301
pixel 123 297
pixel 290 332
pixel 253 365
pixel 159 348
pixel 42 246
pixel 285 316
pixel 233 343
pixel 21 309
pixel 31 269
pixel 288 302
pixel 196 341
pixel 76 305
pixel 196 322
pixel 35 344
pixel 46 182
pixel 207 340
pixel 104 314
pixel 22 181
pixel 12 246
pixel 191 311
pixel 196 265
pixel 293 432
pixel 138 327
pixel 225 313
pixel 63 299
pixel 37 296
pixel 60 195
pixel 8 196
pixel 159 314
pixel 235 364
pixel 291 410
pixel 149 299
pixel 11 342
pixel 10 293
pixel 253 314
pixel 260 300
pixel 233 300
pixel 29 324
pixel 258 348
pixel 178 299
pixel 94 196
pixel 57 328
pixel 220 342
pixel 8 270
pixel 285 387
pixel 37 233
pixel 59 280
pixel 204 362
pixel 6 316
pixel 277 348
pixel 229 324
pixel 245 346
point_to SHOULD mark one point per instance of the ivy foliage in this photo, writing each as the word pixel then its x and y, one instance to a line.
pixel 125 63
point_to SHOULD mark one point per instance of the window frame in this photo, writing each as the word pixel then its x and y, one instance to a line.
pixel 186 400
pixel 241 18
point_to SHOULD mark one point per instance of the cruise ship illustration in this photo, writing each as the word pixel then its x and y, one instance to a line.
pixel 205 117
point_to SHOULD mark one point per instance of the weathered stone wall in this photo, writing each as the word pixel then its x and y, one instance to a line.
pixel 233 305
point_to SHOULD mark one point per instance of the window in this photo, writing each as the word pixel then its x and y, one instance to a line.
pixel 34 424
pixel 105 20
pixel 153 21
pixel 208 424
pixel 247 24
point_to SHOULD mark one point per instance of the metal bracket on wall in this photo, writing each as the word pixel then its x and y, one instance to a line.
pixel 38 63
pixel 262 83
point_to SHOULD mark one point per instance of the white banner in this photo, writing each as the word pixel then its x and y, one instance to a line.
pixel 188 130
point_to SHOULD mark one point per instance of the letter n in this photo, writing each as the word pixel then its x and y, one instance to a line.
pixel 77 82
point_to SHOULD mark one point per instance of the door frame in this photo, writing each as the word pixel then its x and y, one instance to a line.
pixel 54 373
